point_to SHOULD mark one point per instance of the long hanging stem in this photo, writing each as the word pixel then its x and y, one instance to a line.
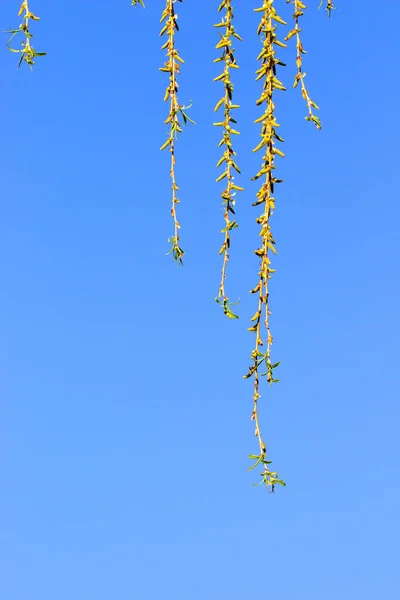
pixel 228 158
pixel 28 52
pixel 172 67
pixel 269 136
pixel 299 9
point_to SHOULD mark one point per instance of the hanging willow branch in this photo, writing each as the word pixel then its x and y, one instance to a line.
pixel 28 52
pixel 269 137
pixel 176 111
pixel 299 9
pixel 262 365
pixel 228 158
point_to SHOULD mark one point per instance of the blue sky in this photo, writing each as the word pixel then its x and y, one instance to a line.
pixel 125 419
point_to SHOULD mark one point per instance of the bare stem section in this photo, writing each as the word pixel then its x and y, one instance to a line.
pixel 176 112
pixel 228 157
pixel 262 365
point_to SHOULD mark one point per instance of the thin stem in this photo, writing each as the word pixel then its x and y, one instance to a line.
pixel 26 24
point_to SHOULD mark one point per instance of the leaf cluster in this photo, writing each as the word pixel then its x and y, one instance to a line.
pixel 27 53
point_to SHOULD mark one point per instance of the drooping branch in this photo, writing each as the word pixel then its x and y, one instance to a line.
pixel 228 158
pixel 176 112
pixel 262 365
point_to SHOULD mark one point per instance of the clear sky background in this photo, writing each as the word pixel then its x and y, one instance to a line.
pixel 125 419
